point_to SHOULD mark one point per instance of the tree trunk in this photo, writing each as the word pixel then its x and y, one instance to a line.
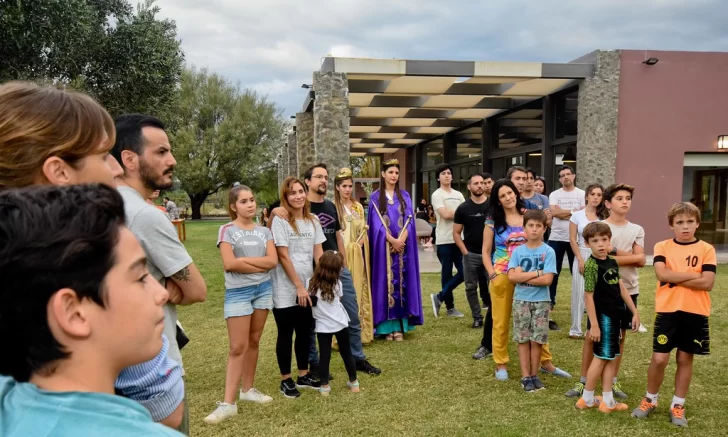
pixel 196 201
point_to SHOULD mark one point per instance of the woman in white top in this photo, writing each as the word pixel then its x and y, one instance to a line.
pixel 594 211
pixel 331 318
pixel 298 242
pixel 248 254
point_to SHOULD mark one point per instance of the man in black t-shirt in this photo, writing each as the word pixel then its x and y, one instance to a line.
pixel 316 179
pixel 470 220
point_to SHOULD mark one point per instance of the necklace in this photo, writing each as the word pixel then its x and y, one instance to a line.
pixel 390 200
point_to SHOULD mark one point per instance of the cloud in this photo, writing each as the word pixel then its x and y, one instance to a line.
pixel 273 46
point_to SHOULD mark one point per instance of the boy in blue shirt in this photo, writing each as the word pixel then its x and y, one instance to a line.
pixel 76 285
pixel 532 268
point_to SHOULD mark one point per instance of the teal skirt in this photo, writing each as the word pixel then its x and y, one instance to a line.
pixel 391 326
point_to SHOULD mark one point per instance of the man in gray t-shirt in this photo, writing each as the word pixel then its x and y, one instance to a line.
pixel 245 244
pixel 142 148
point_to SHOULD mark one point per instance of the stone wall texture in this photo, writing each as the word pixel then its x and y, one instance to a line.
pixel 304 142
pixel 597 120
pixel 292 154
pixel 331 122
pixel 282 168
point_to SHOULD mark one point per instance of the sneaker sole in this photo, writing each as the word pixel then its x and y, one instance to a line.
pixel 310 387
pixel 266 401
pixel 290 396
pixel 434 306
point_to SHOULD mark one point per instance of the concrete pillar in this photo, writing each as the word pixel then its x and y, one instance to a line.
pixel 292 154
pixel 305 143
pixel 596 151
pixel 331 122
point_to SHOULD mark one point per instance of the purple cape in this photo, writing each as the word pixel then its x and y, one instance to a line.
pixel 407 299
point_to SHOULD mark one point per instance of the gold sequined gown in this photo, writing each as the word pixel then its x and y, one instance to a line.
pixel 357 258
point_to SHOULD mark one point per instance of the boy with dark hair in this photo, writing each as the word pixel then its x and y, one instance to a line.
pixel 685 268
pixel 445 200
pixel 76 285
pixel 605 297
pixel 530 194
pixel 532 267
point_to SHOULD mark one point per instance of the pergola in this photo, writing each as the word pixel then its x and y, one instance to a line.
pixel 397 103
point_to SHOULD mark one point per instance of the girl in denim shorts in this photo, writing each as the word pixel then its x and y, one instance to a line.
pixel 248 254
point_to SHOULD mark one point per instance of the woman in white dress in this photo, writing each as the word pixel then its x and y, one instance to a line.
pixel 594 211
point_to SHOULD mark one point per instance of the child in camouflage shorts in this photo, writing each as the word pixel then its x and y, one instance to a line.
pixel 532 268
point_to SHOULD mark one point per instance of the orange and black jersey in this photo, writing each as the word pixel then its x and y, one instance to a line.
pixel 696 257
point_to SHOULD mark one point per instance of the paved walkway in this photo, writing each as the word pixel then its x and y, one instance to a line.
pixel 430 264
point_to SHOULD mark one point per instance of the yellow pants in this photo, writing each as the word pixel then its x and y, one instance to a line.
pixel 501 298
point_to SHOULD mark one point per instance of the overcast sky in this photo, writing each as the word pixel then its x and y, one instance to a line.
pixel 273 46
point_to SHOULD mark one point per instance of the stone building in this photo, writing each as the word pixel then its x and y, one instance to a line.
pixel 653 119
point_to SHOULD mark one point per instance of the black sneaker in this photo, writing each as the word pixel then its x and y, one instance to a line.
pixel 308 381
pixel 527 385
pixel 366 367
pixel 482 353
pixel 537 384
pixel 477 323
pixel 288 388
pixel 553 326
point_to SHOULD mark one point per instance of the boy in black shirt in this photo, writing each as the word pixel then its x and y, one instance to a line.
pixel 605 298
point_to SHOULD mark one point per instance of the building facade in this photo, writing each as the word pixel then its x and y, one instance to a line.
pixel 651 119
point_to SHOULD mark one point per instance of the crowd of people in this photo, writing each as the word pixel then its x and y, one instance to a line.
pixel 102 272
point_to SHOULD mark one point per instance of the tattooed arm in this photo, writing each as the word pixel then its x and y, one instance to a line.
pixel 191 286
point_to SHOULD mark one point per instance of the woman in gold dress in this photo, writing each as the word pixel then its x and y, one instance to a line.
pixel 354 230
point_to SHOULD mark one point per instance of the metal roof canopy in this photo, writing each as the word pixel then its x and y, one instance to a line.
pixel 397 103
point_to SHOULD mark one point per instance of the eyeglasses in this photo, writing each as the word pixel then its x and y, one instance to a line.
pixel 561 176
pixel 318 176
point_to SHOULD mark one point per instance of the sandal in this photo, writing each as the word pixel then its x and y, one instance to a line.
pixel 389 337
pixel 353 386
pixel 398 336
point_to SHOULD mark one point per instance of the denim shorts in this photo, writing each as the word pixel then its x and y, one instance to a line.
pixel 244 301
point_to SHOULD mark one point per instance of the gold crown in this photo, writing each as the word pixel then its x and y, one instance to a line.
pixel 392 162
pixel 344 173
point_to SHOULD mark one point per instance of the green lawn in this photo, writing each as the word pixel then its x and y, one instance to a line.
pixel 430 385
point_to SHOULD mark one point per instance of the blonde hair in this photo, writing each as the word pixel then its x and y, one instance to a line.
pixel 683 208
pixel 286 188
pixel 37 123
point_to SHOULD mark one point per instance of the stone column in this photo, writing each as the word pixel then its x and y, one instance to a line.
pixel 292 154
pixel 305 143
pixel 331 122
pixel 596 151
pixel 282 165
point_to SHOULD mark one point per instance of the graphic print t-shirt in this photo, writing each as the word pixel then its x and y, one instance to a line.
pixel 696 257
pixel 601 277
pixel 531 260
pixel 506 241
pixel 329 219
pixel 300 249
pixel 253 243
pixel 570 201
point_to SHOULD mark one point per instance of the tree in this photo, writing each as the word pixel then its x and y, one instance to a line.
pixel 365 166
pixel 129 61
pixel 225 135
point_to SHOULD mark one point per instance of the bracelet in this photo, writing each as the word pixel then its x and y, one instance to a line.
pixel 538 273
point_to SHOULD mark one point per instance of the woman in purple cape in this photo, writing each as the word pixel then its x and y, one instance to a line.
pixel 396 297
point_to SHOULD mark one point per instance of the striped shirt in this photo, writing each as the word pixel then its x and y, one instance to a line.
pixel 157 384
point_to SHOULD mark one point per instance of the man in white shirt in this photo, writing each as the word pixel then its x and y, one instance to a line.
pixel 445 201
pixel 563 202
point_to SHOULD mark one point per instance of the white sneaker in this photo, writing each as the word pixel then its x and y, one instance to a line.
pixel 254 395
pixel 222 412
pixel 642 328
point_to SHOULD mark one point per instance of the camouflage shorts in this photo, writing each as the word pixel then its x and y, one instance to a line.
pixel 531 321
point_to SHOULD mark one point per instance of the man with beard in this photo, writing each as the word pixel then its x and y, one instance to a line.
pixel 470 221
pixel 142 147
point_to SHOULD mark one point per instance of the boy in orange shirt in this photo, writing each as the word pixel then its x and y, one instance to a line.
pixel 685 269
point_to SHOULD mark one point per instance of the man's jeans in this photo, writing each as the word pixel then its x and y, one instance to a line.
pixel 475 278
pixel 561 248
pixel 449 256
pixel 352 309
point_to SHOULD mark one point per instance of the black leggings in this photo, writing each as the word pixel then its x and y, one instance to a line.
pixel 324 340
pixel 288 320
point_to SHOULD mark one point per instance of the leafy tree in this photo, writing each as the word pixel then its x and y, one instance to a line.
pixel 128 59
pixel 365 166
pixel 225 135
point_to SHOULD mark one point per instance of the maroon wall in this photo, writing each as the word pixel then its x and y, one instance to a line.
pixel 678 105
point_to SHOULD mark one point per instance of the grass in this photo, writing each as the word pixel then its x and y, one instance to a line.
pixel 430 385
